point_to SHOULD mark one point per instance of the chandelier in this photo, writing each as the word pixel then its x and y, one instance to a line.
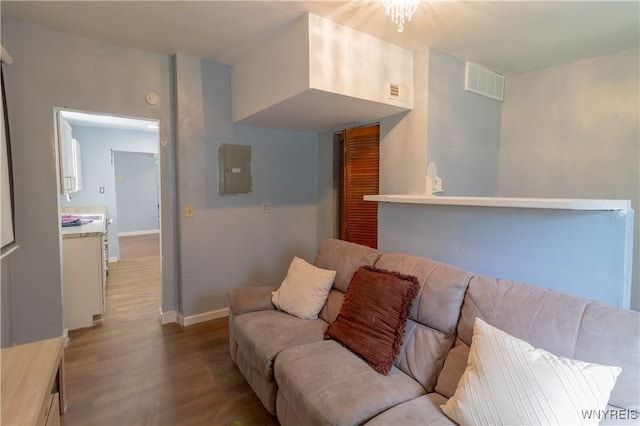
pixel 400 10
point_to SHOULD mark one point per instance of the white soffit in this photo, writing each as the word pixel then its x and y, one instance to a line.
pixel 316 110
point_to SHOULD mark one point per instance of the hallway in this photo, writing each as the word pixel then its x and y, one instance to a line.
pixel 132 371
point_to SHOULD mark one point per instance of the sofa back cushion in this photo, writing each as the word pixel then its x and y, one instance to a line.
pixel 562 324
pixel 345 258
pixel 430 330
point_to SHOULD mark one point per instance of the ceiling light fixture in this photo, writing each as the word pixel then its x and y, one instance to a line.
pixel 400 10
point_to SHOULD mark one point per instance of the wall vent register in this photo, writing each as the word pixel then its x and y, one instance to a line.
pixel 484 82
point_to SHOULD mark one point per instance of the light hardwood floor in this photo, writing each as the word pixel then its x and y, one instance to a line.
pixel 132 371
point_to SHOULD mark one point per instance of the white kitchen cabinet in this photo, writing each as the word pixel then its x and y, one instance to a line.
pixel 70 158
pixel 83 280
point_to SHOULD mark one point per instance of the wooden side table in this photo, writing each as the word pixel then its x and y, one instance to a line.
pixel 32 391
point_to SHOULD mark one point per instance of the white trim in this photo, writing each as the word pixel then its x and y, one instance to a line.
pixel 131 233
pixel 207 316
pixel 114 259
pixel 527 203
pixel 168 317
pixel 65 337
pixel 11 250
pixel 6 58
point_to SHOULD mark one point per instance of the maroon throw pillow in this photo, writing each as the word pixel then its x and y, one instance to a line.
pixel 373 315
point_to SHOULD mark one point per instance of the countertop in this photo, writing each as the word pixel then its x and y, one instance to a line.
pixel 94 228
pixel 528 203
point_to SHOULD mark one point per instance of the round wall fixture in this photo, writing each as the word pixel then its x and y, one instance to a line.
pixel 152 99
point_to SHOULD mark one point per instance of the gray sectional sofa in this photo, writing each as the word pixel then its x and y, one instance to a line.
pixel 307 380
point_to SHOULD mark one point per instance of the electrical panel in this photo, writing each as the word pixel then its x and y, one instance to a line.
pixel 234 169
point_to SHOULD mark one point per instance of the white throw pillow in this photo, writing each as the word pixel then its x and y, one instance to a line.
pixel 304 291
pixel 508 381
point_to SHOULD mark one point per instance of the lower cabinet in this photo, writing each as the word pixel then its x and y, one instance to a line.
pixel 83 280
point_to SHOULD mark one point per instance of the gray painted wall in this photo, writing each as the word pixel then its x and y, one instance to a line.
pixel 463 130
pixel 6 311
pixel 136 191
pixel 572 132
pixel 229 242
pixel 561 122
pixel 98 169
pixel 53 69
pixel 403 138
pixel 581 253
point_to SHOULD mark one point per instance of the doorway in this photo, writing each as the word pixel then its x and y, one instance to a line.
pixel 100 138
pixel 357 155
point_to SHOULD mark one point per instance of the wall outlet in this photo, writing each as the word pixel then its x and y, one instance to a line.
pixel 188 210
pixel 266 208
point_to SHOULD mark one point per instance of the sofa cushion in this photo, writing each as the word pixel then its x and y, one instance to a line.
pixel 562 324
pixel 345 258
pixel 328 384
pixel 431 328
pixel 332 307
pixel 260 336
pixel 421 411
pixel 265 388
pixel 304 290
pixel 249 299
pixel 508 381
pixel 372 319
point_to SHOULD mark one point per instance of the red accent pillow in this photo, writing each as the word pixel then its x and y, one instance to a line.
pixel 375 311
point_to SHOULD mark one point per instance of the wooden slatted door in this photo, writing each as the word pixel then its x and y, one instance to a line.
pixel 360 169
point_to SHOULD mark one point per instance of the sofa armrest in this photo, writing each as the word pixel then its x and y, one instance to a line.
pixel 250 299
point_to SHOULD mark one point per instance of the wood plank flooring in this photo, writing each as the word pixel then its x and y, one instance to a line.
pixel 130 370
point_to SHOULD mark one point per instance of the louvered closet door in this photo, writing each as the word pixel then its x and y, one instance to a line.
pixel 360 168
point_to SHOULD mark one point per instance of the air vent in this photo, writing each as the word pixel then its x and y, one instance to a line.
pixel 397 92
pixel 484 82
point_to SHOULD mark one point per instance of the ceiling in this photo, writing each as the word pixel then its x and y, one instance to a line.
pixel 506 36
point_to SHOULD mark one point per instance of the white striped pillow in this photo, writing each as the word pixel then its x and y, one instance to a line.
pixel 509 382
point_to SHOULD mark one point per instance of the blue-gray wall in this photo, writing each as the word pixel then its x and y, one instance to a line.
pixel 229 242
pixel 52 69
pixel 572 131
pixel 586 254
pixel 6 311
pixel 98 144
pixel 463 135
pixel 136 176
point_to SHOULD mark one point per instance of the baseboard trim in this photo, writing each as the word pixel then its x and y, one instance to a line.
pixel 206 316
pixel 168 317
pixel 113 259
pixel 131 233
